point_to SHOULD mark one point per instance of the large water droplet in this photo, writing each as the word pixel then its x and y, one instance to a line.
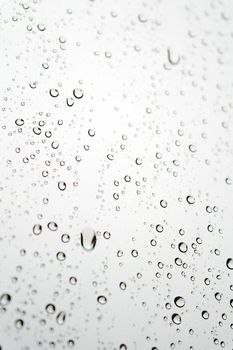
pixel 179 301
pixel 102 300
pixel 88 238
pixel 176 319
pixel 229 263
pixel 5 299
pixel 37 229
pixel 50 308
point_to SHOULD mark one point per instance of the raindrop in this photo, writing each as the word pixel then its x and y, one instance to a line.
pixel 205 315
pixel 5 299
pixel 61 317
pixel 171 59
pixel 183 247
pixel 61 185
pixel 88 238
pixel 190 199
pixel 69 101
pixel 19 122
pixel 37 229
pixel 19 324
pixel 50 309
pixel 78 93
pixel 138 161
pixel 52 226
pixel 61 256
pixel 102 300
pixel 229 263
pixel 176 319
pixel 54 92
pixel 179 301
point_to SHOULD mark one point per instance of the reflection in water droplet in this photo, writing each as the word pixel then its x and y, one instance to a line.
pixel 88 239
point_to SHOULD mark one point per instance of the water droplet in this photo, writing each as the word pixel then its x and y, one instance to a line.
pixel 19 324
pixel 183 247
pixel 205 315
pixel 78 93
pixel 73 280
pixel 107 235
pixel 61 185
pixel 190 199
pixel 61 256
pixel 122 285
pixel 50 308
pixel 37 229
pixel 19 122
pixel 179 301
pixel 172 60
pixel 176 319
pixel 52 226
pixel 5 299
pixel 65 238
pixel 229 263
pixel 69 101
pixel 88 238
pixel 163 203
pixel 134 253
pixel 138 161
pixel 54 92
pixel 41 27
pixel 102 300
pixel 91 132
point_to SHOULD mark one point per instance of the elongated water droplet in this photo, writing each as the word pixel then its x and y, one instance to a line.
pixel 61 317
pixel 88 238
